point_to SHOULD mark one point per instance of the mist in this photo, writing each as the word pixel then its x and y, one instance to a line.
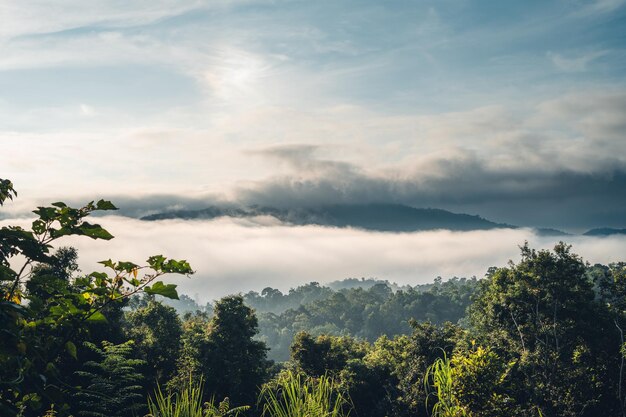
pixel 239 255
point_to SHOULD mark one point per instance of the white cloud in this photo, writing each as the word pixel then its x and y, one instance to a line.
pixel 577 63
pixel 240 255
pixel 41 16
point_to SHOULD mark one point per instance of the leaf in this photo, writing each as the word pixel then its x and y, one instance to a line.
pixel 6 273
pixel 94 231
pixel 59 204
pixel 156 262
pixel 97 317
pixel 105 205
pixel 177 267
pixel 127 266
pixel 71 349
pixel 46 213
pixel 166 290
pixel 108 263
pixel 39 226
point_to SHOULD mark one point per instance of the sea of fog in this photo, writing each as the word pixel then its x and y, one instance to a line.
pixel 238 255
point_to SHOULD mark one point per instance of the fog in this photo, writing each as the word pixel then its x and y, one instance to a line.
pixel 234 255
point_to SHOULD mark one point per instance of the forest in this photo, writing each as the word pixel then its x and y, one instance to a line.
pixel 540 336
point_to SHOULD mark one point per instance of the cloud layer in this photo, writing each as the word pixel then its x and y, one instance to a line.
pixel 240 255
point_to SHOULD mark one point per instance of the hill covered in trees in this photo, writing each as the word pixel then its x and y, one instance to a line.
pixel 379 217
pixel 366 309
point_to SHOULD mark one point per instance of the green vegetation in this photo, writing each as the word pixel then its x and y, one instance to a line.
pixel 439 382
pixel 188 402
pixel 541 337
pixel 293 394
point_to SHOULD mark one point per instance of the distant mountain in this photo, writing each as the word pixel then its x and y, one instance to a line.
pixel 378 217
pixel 605 231
pixel 546 231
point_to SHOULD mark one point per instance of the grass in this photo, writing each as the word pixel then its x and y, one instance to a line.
pixel 188 403
pixel 438 383
pixel 297 396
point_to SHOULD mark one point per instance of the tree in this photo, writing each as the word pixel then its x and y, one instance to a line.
pixel 543 314
pixel 224 353
pixel 36 336
pixel 156 330
pixel 236 364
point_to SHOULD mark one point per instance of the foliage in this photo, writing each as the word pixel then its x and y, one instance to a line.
pixel 224 352
pixel 112 385
pixel 438 382
pixel 156 330
pixel 325 354
pixel 479 381
pixel 542 336
pixel 295 395
pixel 543 314
pixel 41 321
pixel 188 402
pixel 362 313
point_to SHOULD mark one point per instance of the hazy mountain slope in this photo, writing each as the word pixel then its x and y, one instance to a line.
pixel 605 231
pixel 380 217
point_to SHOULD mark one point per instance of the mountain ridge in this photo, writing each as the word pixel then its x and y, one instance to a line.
pixel 376 217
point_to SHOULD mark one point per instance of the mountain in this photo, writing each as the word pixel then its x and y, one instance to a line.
pixel 378 217
pixel 605 231
pixel 546 231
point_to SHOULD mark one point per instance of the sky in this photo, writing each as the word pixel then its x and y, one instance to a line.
pixel 515 111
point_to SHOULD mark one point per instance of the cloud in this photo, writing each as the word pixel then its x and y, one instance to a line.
pixel 558 162
pixel 566 199
pixel 598 7
pixel 575 64
pixel 240 255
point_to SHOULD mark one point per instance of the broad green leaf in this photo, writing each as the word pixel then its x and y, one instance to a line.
pixel 6 273
pixel 156 262
pixel 71 349
pixel 39 226
pixel 46 213
pixel 126 266
pixel 105 205
pixel 177 267
pixel 166 290
pixel 97 317
pixel 63 231
pixel 108 263
pixel 94 231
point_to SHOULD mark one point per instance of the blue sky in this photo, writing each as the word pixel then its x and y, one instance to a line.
pixel 474 106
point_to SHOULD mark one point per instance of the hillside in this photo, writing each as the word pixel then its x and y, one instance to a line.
pixel 377 217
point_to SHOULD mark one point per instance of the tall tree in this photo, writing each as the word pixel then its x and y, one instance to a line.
pixel 156 330
pixel 224 353
pixel 236 364
pixel 543 314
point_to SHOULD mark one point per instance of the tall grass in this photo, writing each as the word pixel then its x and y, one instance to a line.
pixel 438 383
pixel 188 403
pixel 296 396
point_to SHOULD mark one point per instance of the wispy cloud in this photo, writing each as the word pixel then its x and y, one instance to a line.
pixel 576 63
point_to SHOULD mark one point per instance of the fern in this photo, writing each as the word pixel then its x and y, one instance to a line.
pixel 113 385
